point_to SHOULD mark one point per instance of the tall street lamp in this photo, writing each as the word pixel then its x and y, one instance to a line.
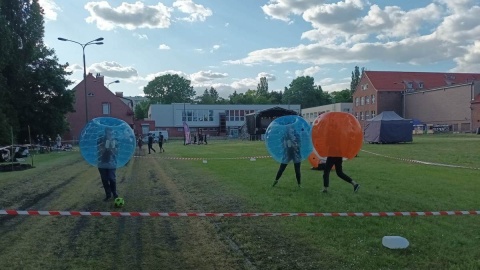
pixel 108 84
pixel 95 41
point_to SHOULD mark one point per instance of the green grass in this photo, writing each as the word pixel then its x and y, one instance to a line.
pixel 229 182
pixel 388 184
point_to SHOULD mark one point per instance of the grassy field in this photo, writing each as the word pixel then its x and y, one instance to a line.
pixel 230 183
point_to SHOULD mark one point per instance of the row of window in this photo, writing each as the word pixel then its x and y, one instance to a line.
pixel 364 100
pixel 197 115
pixel 365 115
pixel 237 115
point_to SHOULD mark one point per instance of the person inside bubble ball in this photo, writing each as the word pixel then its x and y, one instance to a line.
pixel 291 146
pixel 337 161
pixel 107 163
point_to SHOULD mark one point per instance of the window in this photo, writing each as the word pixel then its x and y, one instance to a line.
pixel 356 101
pixel 373 114
pixel 420 85
pixel 373 99
pixel 367 114
pixel 362 101
pixel 356 115
pixel 210 115
pixel 106 108
pixel 361 115
pixel 367 100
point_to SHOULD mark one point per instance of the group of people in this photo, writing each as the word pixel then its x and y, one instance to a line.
pixel 291 145
pixel 45 143
pixel 108 149
pixel 150 142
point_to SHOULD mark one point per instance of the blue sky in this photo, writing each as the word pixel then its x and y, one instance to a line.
pixel 230 44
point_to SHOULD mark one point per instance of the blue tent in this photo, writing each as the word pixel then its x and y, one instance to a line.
pixel 388 127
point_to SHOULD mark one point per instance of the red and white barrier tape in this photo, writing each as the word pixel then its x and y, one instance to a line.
pixel 423 162
pixel 191 214
pixel 198 158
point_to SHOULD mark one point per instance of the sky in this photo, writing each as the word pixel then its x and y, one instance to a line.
pixel 231 44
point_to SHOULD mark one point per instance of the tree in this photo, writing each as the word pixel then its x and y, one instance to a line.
pixel 341 96
pixel 141 110
pixel 275 97
pixel 208 97
pixel 302 90
pixel 262 88
pixel 356 76
pixel 169 88
pixel 33 85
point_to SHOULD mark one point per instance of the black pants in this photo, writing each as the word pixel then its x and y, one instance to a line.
pixel 160 145
pixel 109 181
pixel 150 147
pixel 297 171
pixel 337 161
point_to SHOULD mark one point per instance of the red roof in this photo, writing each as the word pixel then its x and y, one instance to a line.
pixel 397 80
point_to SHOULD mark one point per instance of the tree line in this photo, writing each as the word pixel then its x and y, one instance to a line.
pixel 172 88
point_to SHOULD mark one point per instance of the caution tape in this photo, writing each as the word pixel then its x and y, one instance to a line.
pixel 191 214
pixel 423 162
pixel 199 158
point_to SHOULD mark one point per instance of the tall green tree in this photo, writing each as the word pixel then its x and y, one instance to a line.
pixel 302 90
pixel 356 76
pixel 262 88
pixel 33 83
pixel 141 110
pixel 169 88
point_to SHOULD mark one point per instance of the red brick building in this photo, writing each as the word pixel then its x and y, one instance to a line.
pixel 101 102
pixel 433 98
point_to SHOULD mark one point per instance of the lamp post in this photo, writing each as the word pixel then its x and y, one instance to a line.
pixel 108 84
pixel 95 41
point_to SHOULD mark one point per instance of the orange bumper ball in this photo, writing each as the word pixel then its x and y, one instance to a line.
pixel 337 134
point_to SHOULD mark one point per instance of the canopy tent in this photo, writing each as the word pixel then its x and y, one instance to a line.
pixel 258 122
pixel 388 127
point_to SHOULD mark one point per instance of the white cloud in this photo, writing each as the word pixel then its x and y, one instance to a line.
pixel 469 62
pixel 150 77
pixel 140 36
pixel 270 77
pixel 199 50
pixel 50 9
pixel 214 48
pixel 311 71
pixel 113 70
pixel 128 16
pixel 203 76
pixel 163 47
pixel 282 9
pixel 196 12
pixel 74 67
pixel 227 24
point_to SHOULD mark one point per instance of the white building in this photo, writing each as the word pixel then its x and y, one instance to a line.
pixel 212 119
pixel 310 114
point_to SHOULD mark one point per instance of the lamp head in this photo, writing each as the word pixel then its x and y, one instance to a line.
pixel 62 39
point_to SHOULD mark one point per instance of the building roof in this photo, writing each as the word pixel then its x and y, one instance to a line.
pixel 399 81
pixel 386 116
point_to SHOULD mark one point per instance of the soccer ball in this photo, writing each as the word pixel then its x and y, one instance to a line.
pixel 119 202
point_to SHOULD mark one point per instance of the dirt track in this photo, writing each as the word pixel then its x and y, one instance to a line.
pixel 147 184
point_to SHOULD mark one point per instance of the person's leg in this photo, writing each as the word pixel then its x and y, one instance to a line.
pixel 326 173
pixel 342 175
pixel 105 182
pixel 279 173
pixel 298 174
pixel 112 179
